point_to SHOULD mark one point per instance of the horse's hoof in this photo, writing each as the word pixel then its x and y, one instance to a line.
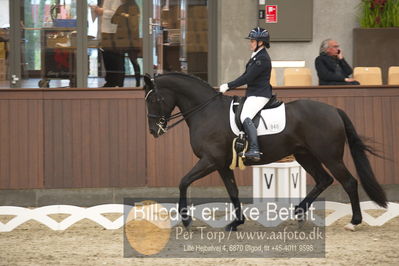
pixel 187 221
pixel 350 227
pixel 300 215
pixel 301 223
pixel 356 221
pixel 230 227
pixel 233 225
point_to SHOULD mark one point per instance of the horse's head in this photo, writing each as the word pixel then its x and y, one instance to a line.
pixel 160 105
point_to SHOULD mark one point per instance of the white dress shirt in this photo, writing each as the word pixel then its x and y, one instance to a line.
pixel 255 53
pixel 109 8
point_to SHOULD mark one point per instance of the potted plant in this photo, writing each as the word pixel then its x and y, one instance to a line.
pixel 376 42
pixel 379 13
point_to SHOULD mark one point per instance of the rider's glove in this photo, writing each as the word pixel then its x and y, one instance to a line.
pixel 223 88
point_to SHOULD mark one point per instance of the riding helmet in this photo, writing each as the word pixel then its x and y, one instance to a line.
pixel 260 34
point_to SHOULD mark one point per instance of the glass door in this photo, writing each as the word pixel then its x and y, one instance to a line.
pixel 48 43
pixel 4 45
pixel 58 43
pixel 115 43
pixel 179 36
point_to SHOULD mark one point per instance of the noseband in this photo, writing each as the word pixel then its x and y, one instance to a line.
pixel 164 119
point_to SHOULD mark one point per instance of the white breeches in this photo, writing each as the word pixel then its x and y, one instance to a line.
pixel 252 105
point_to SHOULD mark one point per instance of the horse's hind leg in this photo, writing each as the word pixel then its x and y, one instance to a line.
pixel 231 186
pixel 342 174
pixel 201 169
pixel 313 166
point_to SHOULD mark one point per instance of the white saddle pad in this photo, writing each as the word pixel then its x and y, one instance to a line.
pixel 274 118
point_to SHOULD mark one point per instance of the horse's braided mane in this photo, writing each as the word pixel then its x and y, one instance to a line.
pixel 203 82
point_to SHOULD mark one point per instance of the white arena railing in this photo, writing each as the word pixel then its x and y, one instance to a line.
pixel 95 214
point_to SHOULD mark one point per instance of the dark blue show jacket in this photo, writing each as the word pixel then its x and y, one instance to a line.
pixel 256 76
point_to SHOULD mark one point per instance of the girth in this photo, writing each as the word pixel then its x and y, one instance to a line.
pixel 238 104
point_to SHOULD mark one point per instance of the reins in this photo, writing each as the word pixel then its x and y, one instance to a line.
pixel 185 115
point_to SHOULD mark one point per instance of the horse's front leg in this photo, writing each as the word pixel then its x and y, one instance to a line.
pixel 201 169
pixel 231 186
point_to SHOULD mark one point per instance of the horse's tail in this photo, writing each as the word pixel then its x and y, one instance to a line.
pixel 363 167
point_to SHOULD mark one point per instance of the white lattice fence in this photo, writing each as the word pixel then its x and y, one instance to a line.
pixel 341 210
pixel 40 215
pixel 95 214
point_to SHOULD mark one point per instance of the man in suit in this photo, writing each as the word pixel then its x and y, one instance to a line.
pixel 331 65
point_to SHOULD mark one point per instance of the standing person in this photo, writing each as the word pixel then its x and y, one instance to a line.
pixel 331 65
pixel 259 91
pixel 127 18
pixel 112 57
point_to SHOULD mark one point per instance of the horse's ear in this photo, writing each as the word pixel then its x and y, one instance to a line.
pixel 148 81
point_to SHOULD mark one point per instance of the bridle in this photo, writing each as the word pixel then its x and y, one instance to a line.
pixel 164 119
pixel 162 122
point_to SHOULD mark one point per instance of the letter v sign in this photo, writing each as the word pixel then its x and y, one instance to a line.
pixel 268 182
pixel 295 178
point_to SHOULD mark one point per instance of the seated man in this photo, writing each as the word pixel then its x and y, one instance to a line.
pixel 331 66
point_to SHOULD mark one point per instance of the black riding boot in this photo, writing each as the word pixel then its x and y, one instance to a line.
pixel 253 153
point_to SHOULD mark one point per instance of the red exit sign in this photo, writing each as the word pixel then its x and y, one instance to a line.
pixel 271 13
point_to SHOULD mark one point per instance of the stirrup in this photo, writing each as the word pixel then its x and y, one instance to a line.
pixel 253 155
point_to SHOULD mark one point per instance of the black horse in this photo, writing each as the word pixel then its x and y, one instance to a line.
pixel 315 134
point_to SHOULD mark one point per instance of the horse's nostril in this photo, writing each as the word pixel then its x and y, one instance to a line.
pixel 153 132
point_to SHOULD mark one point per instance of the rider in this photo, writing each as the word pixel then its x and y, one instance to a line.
pixel 259 91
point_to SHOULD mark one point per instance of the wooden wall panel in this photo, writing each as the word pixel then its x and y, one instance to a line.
pixel 94 143
pixel 388 139
pixel 21 143
pixel 73 138
pixel 395 139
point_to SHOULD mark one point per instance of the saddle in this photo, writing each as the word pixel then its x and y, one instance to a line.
pixel 240 143
pixel 238 104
